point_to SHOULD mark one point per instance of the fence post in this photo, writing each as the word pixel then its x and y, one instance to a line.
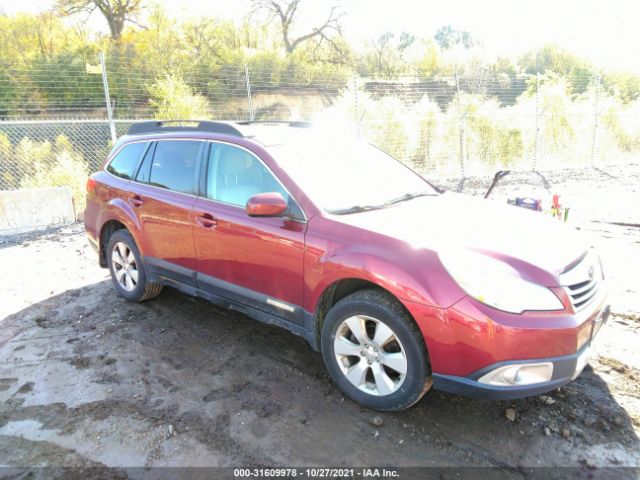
pixel 536 142
pixel 461 121
pixel 357 105
pixel 107 98
pixel 596 113
pixel 249 99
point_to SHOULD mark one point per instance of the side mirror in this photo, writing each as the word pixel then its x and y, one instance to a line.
pixel 270 204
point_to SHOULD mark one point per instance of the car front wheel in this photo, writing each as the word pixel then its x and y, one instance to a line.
pixel 375 352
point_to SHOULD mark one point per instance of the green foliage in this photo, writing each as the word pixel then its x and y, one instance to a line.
pixel 9 100
pixel 79 89
pixel 384 124
pixel 491 140
pixel 115 12
pixel 554 60
pixel 622 85
pixel 448 37
pixel 36 51
pixel 33 164
pixel 429 61
pixel 385 56
pixel 622 124
pixel 428 119
pixel 29 154
pixel 8 171
pixel 556 109
pixel 196 69
pixel 56 166
pixel 172 99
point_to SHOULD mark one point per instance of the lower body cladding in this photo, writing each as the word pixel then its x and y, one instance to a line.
pixel 506 356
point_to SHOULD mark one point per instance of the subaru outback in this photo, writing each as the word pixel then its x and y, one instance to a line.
pixel 400 285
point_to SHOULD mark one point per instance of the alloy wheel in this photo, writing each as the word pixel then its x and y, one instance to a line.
pixel 125 267
pixel 370 355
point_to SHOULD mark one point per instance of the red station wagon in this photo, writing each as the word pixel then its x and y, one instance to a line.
pixel 400 285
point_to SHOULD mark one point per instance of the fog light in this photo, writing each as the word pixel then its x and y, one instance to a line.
pixel 519 374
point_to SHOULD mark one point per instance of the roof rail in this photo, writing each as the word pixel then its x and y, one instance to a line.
pixel 295 123
pixel 159 126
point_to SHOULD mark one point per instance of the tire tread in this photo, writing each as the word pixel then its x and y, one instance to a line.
pixel 391 304
pixel 151 289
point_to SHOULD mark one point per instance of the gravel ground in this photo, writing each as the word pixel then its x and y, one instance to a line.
pixel 89 380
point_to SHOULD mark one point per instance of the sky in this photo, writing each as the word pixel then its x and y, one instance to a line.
pixel 605 32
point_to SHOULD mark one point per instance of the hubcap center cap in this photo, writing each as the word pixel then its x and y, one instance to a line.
pixel 370 354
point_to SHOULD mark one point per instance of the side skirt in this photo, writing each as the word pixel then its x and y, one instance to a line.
pixel 304 330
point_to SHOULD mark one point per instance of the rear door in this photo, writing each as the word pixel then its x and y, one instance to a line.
pixel 112 185
pixel 257 261
pixel 163 194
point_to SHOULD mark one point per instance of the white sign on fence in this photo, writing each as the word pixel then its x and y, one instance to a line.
pixel 34 209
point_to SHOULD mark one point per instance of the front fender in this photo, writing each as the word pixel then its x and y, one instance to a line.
pixel 422 280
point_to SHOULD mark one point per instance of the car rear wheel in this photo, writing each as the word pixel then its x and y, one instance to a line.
pixel 127 272
pixel 375 352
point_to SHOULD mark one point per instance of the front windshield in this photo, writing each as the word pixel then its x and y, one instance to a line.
pixel 342 176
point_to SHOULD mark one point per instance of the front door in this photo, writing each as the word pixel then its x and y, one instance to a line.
pixel 257 261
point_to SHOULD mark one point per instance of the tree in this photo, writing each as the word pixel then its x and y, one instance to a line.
pixel 551 58
pixel 285 12
pixel 624 85
pixel 172 99
pixel 448 37
pixel 385 57
pixel 115 12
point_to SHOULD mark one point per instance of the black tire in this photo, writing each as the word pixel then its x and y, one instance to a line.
pixel 381 306
pixel 143 290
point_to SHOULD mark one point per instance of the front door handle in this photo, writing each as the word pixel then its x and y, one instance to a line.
pixel 206 220
pixel 136 201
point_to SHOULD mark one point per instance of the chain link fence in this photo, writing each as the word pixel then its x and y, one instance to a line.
pixel 54 129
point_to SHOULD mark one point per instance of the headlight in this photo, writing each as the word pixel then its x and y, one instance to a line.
pixel 496 284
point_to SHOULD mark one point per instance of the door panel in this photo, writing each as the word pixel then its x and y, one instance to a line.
pixel 164 207
pixel 167 226
pixel 256 260
pixel 258 255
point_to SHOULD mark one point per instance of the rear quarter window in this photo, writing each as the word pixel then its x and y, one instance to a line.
pixel 125 161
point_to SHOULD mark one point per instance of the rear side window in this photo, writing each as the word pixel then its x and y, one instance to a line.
pixel 125 161
pixel 174 165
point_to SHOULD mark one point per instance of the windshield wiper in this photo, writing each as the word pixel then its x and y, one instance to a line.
pixel 355 209
pixel 393 201
pixel 409 196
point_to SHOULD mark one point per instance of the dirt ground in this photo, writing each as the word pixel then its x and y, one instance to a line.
pixel 88 379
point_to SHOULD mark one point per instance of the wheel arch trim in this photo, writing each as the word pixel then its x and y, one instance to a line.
pixel 118 210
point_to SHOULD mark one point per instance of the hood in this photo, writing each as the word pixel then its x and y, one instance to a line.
pixel 450 221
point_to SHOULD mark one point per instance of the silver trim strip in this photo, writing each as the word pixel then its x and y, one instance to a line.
pixel 280 305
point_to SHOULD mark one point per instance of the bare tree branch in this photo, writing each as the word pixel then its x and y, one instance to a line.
pixel 285 11
pixel 115 12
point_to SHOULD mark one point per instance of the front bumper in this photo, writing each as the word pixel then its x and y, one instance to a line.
pixel 565 369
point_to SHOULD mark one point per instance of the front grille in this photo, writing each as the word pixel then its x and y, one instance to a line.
pixel 583 281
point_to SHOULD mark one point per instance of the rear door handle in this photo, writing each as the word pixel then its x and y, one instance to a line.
pixel 136 201
pixel 206 220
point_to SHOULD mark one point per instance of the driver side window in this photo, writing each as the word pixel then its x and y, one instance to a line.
pixel 235 175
